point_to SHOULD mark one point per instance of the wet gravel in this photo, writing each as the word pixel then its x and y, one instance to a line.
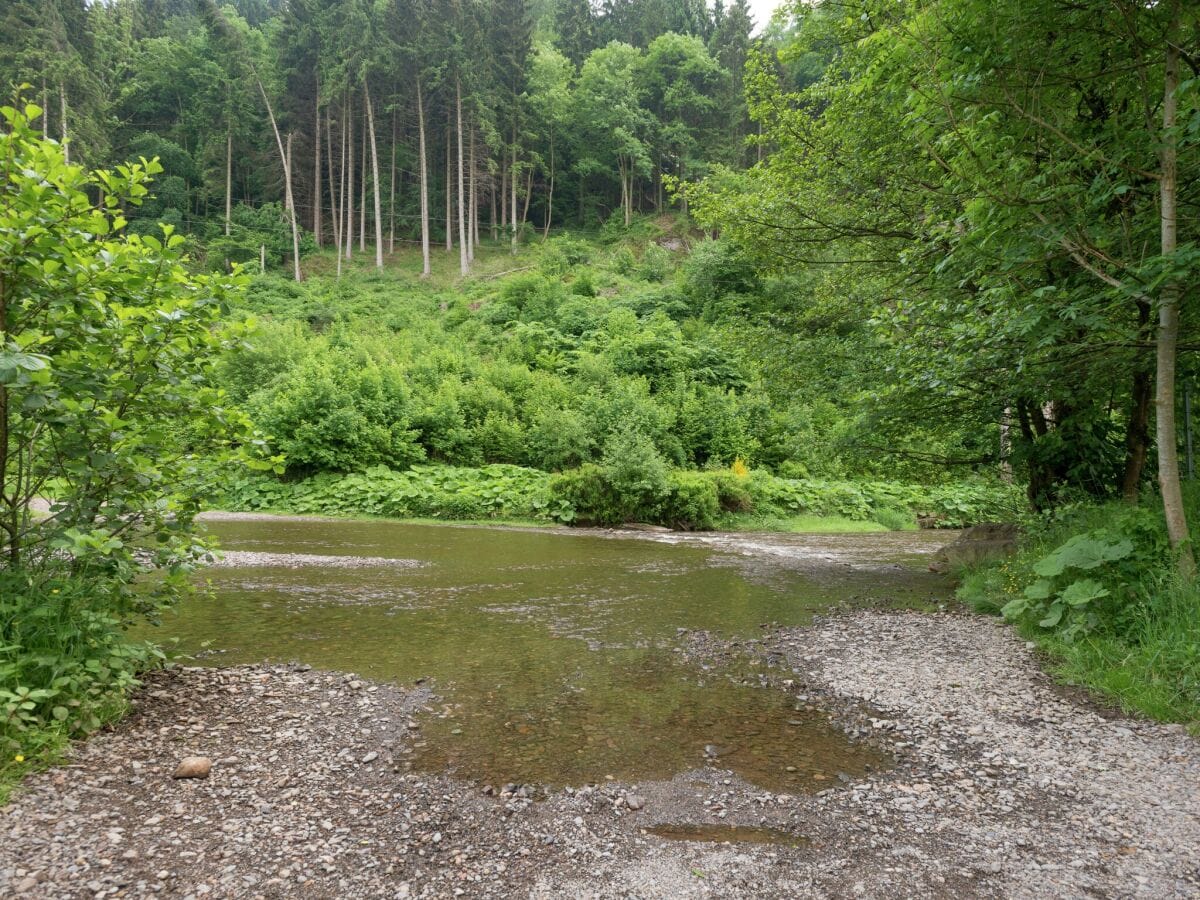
pixel 1003 787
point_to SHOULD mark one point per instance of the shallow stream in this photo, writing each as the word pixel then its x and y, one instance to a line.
pixel 554 654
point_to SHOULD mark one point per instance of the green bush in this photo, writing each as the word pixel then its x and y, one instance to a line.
pixel 692 502
pixel 337 414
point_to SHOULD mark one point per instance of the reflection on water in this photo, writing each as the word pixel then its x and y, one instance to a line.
pixel 553 653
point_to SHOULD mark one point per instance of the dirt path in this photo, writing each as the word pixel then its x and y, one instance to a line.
pixel 1003 788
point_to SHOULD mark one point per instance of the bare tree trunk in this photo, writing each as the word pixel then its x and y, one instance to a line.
pixel 425 268
pixel 503 192
pixel 362 188
pixel 333 200
pixel 348 197
pixel 1168 314
pixel 290 203
pixel 512 186
pixel 449 194
pixel 228 179
pixel 471 215
pixel 528 195
pixel 392 186
pixel 62 107
pixel 374 178
pixel 550 192
pixel 317 169
pixel 464 264
pixel 339 230
pixel 492 203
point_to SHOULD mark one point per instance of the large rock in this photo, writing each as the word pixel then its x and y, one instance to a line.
pixel 194 767
pixel 978 544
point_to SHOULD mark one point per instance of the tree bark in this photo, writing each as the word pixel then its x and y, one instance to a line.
pixel 317 236
pixel 374 177
pixel 512 186
pixel 492 200
pixel 348 196
pixel 333 200
pixel 339 230
pixel 503 192
pixel 392 187
pixel 550 192
pixel 449 192
pixel 62 107
pixel 471 210
pixel 425 267
pixel 362 189
pixel 1168 314
pixel 228 179
pixel 285 159
pixel 464 264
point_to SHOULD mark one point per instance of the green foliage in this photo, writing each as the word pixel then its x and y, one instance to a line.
pixel 107 403
pixel 1092 585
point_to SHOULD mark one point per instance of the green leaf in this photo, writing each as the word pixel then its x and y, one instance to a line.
pixel 1077 593
pixel 1053 616
pixel 1040 590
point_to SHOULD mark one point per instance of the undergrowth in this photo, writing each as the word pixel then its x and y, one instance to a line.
pixel 1096 588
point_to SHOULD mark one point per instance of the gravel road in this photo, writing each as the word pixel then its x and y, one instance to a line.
pixel 1005 786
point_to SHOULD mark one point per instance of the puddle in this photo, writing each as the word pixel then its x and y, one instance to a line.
pixel 728 834
pixel 551 652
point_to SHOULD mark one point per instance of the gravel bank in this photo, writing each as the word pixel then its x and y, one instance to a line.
pixel 1003 788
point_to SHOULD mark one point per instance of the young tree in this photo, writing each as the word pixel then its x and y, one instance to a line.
pixel 107 402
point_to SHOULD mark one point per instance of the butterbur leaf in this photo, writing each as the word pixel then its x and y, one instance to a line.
pixel 1054 615
pixel 1010 610
pixel 1040 589
pixel 1082 552
pixel 1085 590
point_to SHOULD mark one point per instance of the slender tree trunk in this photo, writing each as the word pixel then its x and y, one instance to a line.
pixel 425 267
pixel 228 179
pixel 392 186
pixel 1168 313
pixel 339 229
pixel 45 112
pixel 471 197
pixel 290 203
pixel 503 192
pixel 333 200
pixel 512 186
pixel 449 193
pixel 317 229
pixel 492 203
pixel 464 264
pixel 528 195
pixel 374 177
pixel 362 188
pixel 348 197
pixel 550 192
pixel 62 111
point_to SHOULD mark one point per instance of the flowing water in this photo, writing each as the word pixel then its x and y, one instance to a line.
pixel 553 654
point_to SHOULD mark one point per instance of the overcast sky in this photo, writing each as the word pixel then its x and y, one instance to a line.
pixel 761 11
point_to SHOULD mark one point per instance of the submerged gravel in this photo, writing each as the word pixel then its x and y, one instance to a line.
pixel 1004 787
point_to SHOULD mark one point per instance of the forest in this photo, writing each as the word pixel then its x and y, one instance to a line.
pixel 865 266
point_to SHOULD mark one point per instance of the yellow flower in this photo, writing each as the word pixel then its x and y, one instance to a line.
pixel 19 758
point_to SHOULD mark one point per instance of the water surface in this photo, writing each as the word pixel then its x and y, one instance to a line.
pixel 553 654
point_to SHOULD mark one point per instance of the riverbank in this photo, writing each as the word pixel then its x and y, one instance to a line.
pixel 1003 786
